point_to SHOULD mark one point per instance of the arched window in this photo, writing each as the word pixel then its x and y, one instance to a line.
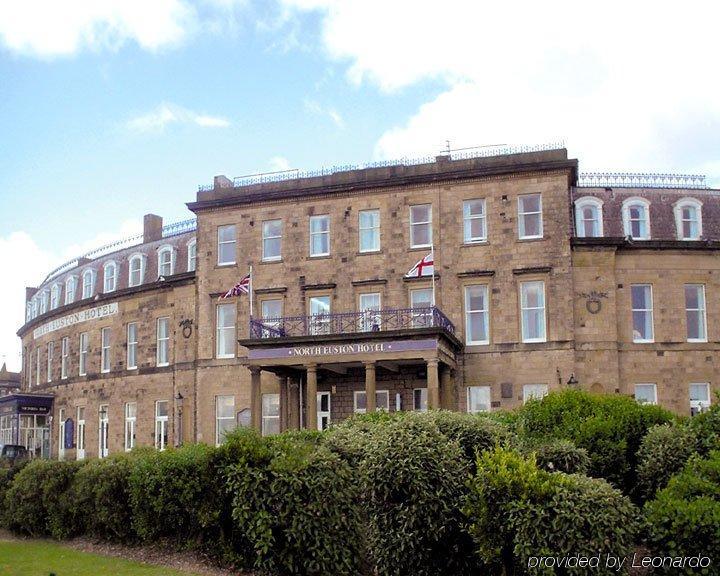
pixel 589 217
pixel 166 261
pixel 88 283
pixel 44 302
pixel 109 277
pixel 688 219
pixel 136 274
pixel 636 218
pixel 55 296
pixel 192 255
pixel 70 285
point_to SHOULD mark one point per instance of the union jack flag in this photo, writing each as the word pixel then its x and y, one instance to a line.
pixel 242 287
pixel 425 267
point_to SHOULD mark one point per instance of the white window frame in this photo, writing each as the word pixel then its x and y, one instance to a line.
pixel 222 332
pixel 627 227
pixel 647 385
pixel 50 354
pixel 271 321
pixel 375 229
pixel 161 254
pixel 321 233
pixel 135 258
pixel 421 319
pixel 646 310
pixel 37 367
pixel 105 360
pixel 161 425
pixel 223 242
pixel 267 237
pixel 131 362
pixel 320 322
pixel 103 431
pixel 162 342
pixel 414 224
pixel 468 219
pixel 700 311
pixel 88 287
pixel 484 391
pixel 266 418
pixel 70 289
pixel 324 417
pixel 358 393
pixel 80 443
pixel 64 354
pixel 523 309
pixel 44 301
pixel 34 305
pixel 521 214
pixel 678 209
pixel 697 406
pixel 107 287
pixel 484 313
pixel 538 391
pixel 130 426
pixel 422 393
pixel 231 418
pixel 61 434
pixel 28 311
pixel 83 353
pixel 192 255
pixel 54 296
pixel 582 203
pixel 370 315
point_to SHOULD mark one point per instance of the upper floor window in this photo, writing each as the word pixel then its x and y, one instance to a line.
pixel 271 312
pixel 642 313
pixel 54 296
pixel 28 312
pixel 636 220
pixel 166 261
pixel 132 345
pixel 320 235
pixel 109 277
pixel 136 273
pixel 369 305
pixel 320 315
pixel 226 245
pixel 84 349
pixel 421 302
pixel 695 312
pixel 34 306
pixel 192 255
pixel 88 283
pixel 530 224
pixel 588 217
pixel 105 350
pixel 44 298
pixel 70 285
pixel 369 230
pixel 474 221
pixel 532 307
pixel 688 219
pixel 272 240
pixel 163 342
pixel 225 339
pixel 476 315
pixel 421 226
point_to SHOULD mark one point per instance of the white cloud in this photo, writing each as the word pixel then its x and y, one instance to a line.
pixel 629 86
pixel 30 265
pixel 48 28
pixel 314 107
pixel 167 113
pixel 279 164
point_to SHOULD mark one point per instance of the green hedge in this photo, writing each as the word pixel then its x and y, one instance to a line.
pixel 7 475
pixel 560 456
pixel 707 428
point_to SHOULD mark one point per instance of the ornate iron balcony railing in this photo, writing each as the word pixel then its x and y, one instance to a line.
pixel 640 180
pixel 351 322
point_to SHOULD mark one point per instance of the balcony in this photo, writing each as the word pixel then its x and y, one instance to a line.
pixel 365 322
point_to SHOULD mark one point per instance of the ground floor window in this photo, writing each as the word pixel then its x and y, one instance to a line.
pixel 323 410
pixel 224 417
pixel 130 422
pixel 6 430
pixel 80 452
pixel 161 424
pixel 382 401
pixel 61 434
pixel 420 398
pixel 270 414
pixel 699 398
pixel 34 434
pixel 478 399
pixel 534 391
pixel 103 425
pixel 646 393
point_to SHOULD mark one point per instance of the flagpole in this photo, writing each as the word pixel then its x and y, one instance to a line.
pixel 251 292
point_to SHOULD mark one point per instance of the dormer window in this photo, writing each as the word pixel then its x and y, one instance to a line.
pixel 34 308
pixel 688 219
pixel 110 277
pixel 137 270
pixel 43 302
pixel 70 285
pixel 636 218
pixel 192 255
pixel 588 217
pixel 54 296
pixel 166 261
pixel 88 283
pixel 28 312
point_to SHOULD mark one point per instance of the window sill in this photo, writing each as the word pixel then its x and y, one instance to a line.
pixel 271 261
pixel 369 252
pixel 163 365
pixel 318 256
pixel 643 341
pixel 225 357
pixel 530 238
pixel 697 341
pixel 419 247
pixel 226 265
pixel 535 341
pixel 476 243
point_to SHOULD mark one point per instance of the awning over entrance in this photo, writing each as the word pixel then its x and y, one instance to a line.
pixel 24 420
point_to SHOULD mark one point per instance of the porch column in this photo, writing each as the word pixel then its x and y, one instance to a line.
pixel 293 404
pixel 283 403
pixel 447 389
pixel 433 384
pixel 370 400
pixel 255 398
pixel 311 401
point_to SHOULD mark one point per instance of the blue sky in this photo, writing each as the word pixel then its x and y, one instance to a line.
pixel 111 109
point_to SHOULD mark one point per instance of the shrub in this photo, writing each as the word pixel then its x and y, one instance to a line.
pixel 296 503
pixel 684 518
pixel 37 502
pixel 7 475
pixel 561 456
pixel 173 494
pixel 414 481
pixel 663 453
pixel 707 429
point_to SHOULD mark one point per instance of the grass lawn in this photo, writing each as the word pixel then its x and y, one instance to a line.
pixel 45 558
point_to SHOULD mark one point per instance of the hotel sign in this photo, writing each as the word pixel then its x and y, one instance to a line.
pixel 77 318
pixel 341 349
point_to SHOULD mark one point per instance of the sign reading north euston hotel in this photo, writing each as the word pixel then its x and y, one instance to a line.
pixel 341 349
pixel 77 318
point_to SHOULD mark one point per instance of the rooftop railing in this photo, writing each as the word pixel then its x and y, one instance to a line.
pixel 351 322
pixel 640 180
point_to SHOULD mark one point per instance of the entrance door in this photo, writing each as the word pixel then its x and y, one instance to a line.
pixel 323 410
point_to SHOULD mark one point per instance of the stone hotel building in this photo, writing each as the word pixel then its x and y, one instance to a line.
pixel 543 279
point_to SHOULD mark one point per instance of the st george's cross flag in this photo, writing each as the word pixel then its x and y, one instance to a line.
pixel 426 267
pixel 242 287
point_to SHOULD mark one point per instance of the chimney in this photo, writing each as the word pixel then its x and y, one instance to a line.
pixel 30 292
pixel 222 182
pixel 152 228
